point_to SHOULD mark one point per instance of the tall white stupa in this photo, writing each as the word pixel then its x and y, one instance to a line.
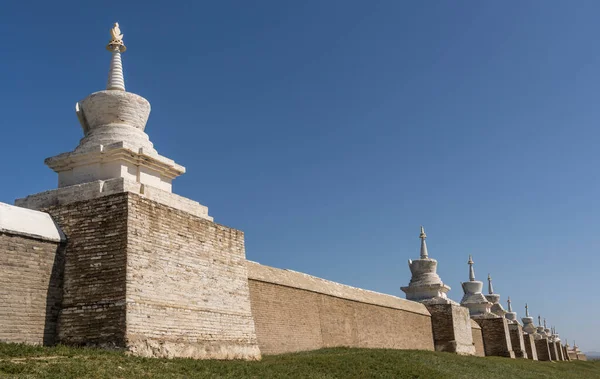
pixel 115 154
pixel 479 306
pixel 425 285
pixel 494 298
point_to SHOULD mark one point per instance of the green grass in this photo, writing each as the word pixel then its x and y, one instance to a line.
pixel 21 361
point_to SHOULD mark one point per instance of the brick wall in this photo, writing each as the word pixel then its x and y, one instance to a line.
pixel 496 337
pixel 93 307
pixel 294 312
pixel 30 289
pixel 477 339
pixel 187 286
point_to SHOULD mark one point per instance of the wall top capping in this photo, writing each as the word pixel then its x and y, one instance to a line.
pixel 29 223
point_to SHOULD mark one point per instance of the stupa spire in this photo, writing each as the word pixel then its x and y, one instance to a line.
pixel 526 310
pixel 490 287
pixel 539 320
pixel 509 306
pixel 423 236
pixel 116 47
pixel 471 270
pixel 545 327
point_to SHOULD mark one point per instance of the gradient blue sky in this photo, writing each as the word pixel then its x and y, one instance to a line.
pixel 328 131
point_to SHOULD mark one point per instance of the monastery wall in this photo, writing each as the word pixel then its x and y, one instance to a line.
pixel 31 264
pixel 294 312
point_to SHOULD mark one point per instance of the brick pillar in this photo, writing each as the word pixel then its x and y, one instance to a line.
pixel 451 329
pixel 496 337
pixel 553 351
pixel 516 340
pixel 530 347
pixel 559 351
pixel 154 280
pixel 543 351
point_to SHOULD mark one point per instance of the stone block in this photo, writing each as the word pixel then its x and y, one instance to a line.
pixel 496 337
pixel 517 341
pixel 452 329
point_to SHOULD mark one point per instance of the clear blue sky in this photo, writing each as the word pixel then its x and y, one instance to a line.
pixel 328 131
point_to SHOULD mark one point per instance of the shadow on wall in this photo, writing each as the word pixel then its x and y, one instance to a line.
pixel 54 297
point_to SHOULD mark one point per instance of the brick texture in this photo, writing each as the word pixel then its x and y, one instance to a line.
pixel 516 340
pixel 477 339
pixel 543 351
pixel 187 286
pixel 291 319
pixel 496 337
pixel 530 347
pixel 452 330
pixel 30 289
pixel 553 351
pixel 93 307
pixel 154 280
pixel 559 351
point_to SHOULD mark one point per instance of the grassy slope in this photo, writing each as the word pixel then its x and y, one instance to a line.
pixel 19 361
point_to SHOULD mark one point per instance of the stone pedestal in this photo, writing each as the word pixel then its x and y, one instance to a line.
pixel 530 346
pixel 153 280
pixel 543 351
pixel 451 328
pixel 496 337
pixel 516 339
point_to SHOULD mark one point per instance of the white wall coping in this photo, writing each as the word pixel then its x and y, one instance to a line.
pixel 29 223
pixel 294 279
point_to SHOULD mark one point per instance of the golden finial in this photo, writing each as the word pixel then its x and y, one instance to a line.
pixel 116 43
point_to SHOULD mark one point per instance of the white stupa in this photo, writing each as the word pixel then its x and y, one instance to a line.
pixel 510 315
pixel 494 298
pixel 425 284
pixel 479 306
pixel 528 326
pixel 115 154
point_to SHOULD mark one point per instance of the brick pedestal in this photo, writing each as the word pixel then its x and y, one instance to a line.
pixel 543 351
pixel 154 280
pixel 516 340
pixel 530 347
pixel 553 351
pixel 496 337
pixel 559 351
pixel 451 329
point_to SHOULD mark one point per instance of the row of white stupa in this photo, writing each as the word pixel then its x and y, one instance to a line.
pixel 426 287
